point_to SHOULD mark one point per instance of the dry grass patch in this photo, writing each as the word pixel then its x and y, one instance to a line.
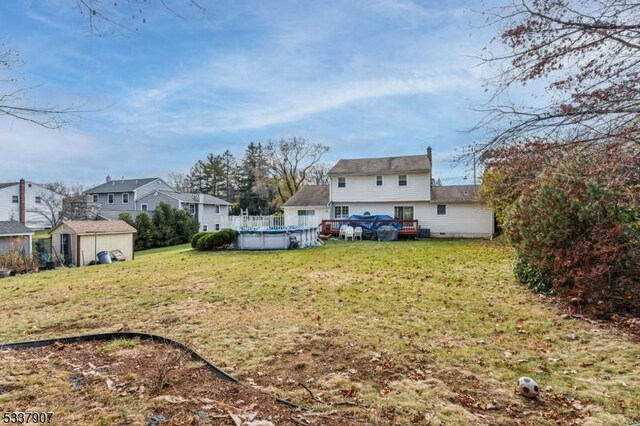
pixel 409 332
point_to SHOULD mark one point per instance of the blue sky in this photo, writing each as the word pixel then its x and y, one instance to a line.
pixel 367 78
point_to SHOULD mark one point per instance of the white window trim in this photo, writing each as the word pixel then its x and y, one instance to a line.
pixel 345 182
pixel 123 194
pixel 95 198
pixel 381 180
pixel 205 227
pixel 341 207
pixel 144 207
pixel 446 210
pixel 192 209
pixel 15 197
pixel 217 226
pixel 111 197
pixel 218 208
pixel 406 180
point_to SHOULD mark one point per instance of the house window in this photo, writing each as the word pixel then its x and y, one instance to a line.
pixel 442 209
pixel 402 180
pixel 341 212
pixel 217 208
pixel 125 198
pixel 378 180
pixel 342 182
pixel 217 226
pixel 144 207
pixel 205 228
pixel 306 212
pixel 110 198
pixel 38 200
pixel 15 199
pixel 95 198
pixel 192 209
pixel 403 212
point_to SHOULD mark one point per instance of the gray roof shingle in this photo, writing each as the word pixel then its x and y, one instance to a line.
pixel 309 195
pixel 408 163
pixel 120 185
pixel 7 184
pixel 13 227
pixel 454 193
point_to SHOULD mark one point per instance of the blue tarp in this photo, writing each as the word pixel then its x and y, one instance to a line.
pixel 372 222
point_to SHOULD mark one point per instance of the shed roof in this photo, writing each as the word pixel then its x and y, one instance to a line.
pixel 309 195
pixel 13 227
pixel 407 163
pixel 454 193
pixel 120 185
pixel 97 227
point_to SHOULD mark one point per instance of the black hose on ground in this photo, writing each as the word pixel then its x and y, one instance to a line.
pixel 135 335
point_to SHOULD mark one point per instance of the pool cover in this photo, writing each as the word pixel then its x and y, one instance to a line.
pixel 372 222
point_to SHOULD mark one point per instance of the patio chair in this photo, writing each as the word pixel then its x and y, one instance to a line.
pixel 357 233
pixel 342 232
pixel 349 233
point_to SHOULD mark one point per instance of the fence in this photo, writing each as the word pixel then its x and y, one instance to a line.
pixel 248 222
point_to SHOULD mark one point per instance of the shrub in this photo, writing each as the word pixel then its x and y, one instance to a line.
pixel 196 238
pixel 538 281
pixel 216 240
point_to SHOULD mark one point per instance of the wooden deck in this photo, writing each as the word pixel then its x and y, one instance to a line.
pixel 332 227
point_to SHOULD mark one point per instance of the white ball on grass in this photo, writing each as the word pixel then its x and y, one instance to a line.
pixel 528 387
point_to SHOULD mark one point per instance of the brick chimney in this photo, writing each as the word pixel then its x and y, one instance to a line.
pixel 22 199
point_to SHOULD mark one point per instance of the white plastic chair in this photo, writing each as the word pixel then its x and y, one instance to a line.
pixel 342 232
pixel 357 233
pixel 349 233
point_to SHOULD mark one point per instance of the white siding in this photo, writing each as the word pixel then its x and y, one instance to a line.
pixel 291 214
pixel 462 220
pixel 364 188
pixel 10 210
pixel 90 245
pixel 209 217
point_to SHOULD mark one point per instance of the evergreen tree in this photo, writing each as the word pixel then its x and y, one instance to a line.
pixel 145 237
pixel 126 217
pixel 164 220
pixel 254 193
pixel 185 225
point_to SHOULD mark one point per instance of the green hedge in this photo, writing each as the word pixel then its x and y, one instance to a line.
pixel 215 240
pixel 196 238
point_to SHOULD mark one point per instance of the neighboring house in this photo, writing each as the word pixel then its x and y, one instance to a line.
pixel 15 237
pixel 21 201
pixel 78 242
pixel 136 195
pixel 401 187
pixel 122 195
pixel 211 213
pixel 311 201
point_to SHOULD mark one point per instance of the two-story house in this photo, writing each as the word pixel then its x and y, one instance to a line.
pixel 136 195
pixel 399 187
pixel 30 204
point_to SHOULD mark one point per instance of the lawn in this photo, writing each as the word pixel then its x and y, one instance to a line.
pixel 406 332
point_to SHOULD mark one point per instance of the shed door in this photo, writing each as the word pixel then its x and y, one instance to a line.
pixel 65 247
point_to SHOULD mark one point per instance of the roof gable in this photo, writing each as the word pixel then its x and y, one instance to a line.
pixel 120 185
pixel 365 166
pixel 309 195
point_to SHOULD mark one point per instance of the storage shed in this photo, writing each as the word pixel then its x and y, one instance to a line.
pixel 78 242
pixel 15 237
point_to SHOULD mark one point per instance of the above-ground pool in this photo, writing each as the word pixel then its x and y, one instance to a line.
pixel 280 238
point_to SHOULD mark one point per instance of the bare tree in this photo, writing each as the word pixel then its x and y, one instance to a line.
pixel 104 16
pixel 588 54
pixel 55 203
pixel 290 162
pixel 319 174
pixel 179 181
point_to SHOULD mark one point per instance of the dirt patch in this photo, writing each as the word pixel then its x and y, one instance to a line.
pixel 322 374
pixel 141 384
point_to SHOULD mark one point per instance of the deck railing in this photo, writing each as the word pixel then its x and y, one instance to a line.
pixel 332 226
pixel 249 222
